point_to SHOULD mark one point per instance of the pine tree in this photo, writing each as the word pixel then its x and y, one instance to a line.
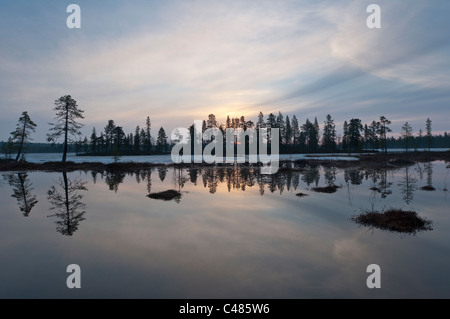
pixel 260 123
pixel 345 137
pixel 407 135
pixel 119 135
pixel 94 141
pixel 21 135
pixel 329 134
pixel 142 138
pixel 102 142
pixel 288 131
pixel 429 136
pixel 311 135
pixel 148 135
pixel 374 141
pixel 161 142
pixel 66 125
pixel 228 124
pixel 281 125
pixel 212 122
pixel 109 134
pixel 137 139
pixel 271 121
pixel 382 130
pixel 354 134
pixel 295 131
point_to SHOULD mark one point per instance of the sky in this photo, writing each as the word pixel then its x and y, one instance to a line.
pixel 178 61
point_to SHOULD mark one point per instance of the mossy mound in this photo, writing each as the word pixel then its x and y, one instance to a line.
pixel 166 195
pixel 395 220
pixel 328 189
pixel 301 195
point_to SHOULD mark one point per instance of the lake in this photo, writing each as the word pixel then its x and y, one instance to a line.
pixel 233 233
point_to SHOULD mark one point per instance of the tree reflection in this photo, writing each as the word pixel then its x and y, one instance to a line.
pixel 429 171
pixel 21 186
pixel 290 177
pixel 311 175
pixel 380 182
pixel 353 175
pixel 330 175
pixel 408 186
pixel 162 172
pixel 66 200
pixel 114 179
pixel 193 174
pixel 179 179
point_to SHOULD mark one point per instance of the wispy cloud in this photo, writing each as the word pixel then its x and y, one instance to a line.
pixel 180 61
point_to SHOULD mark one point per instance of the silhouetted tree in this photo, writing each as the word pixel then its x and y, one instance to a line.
pixel 102 142
pixel 161 142
pixel 66 200
pixel 382 130
pixel 280 123
pixel 311 134
pixel 118 136
pixel 66 125
pixel 295 131
pixel 288 131
pixel 329 134
pixel 345 137
pixel 271 121
pixel 354 134
pixel 429 136
pixel 148 135
pixel 109 134
pixel 260 123
pixel 228 123
pixel 21 135
pixel 137 139
pixel 407 135
pixel 212 122
pixel 94 141
pixel 371 135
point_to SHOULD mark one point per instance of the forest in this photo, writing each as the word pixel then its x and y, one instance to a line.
pixel 309 137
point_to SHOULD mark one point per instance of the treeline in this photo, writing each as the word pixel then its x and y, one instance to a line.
pixel 113 140
pixel 294 137
pixel 310 136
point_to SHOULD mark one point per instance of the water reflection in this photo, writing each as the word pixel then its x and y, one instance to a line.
pixel 380 182
pixel 263 246
pixel 289 177
pixel 408 185
pixel 21 186
pixel 162 171
pixel 114 179
pixel 66 201
pixel 428 168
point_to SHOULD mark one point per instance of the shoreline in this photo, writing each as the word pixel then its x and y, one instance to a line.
pixel 374 160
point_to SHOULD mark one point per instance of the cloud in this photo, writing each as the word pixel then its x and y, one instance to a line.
pixel 180 61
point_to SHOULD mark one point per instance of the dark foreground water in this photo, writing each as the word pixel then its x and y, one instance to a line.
pixel 232 234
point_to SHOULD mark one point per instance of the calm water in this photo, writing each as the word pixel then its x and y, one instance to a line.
pixel 232 234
